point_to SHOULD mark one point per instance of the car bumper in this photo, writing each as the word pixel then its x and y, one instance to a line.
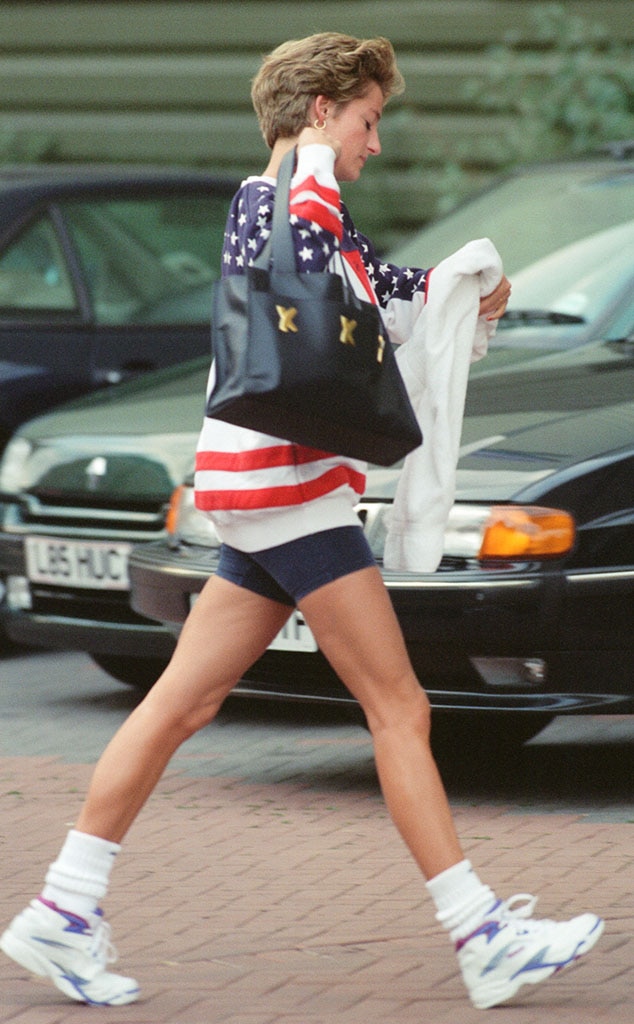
pixel 487 641
pixel 91 621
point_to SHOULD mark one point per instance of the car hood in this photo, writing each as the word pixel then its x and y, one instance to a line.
pixel 527 425
pixel 166 400
pixel 132 443
pixel 524 423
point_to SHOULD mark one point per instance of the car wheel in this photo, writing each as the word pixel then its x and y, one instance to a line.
pixel 476 734
pixel 141 673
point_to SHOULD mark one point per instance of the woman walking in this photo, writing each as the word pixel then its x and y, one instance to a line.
pixel 291 538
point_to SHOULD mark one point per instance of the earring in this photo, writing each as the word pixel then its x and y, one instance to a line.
pixel 319 125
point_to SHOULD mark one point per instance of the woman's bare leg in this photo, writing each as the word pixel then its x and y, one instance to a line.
pixel 227 630
pixel 356 628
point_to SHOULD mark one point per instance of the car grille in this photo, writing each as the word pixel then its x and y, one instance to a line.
pixel 136 521
pixel 51 516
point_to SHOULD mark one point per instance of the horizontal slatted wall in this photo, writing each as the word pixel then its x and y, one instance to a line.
pixel 168 81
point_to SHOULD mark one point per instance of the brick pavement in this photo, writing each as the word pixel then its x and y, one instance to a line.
pixel 285 898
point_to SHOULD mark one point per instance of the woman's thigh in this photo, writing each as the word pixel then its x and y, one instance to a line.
pixel 228 628
pixel 356 628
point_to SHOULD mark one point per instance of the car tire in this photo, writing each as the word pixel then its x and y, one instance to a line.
pixel 141 673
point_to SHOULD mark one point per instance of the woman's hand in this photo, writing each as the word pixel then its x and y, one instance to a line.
pixel 493 306
pixel 310 136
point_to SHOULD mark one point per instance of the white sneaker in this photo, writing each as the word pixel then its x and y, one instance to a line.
pixel 70 950
pixel 509 949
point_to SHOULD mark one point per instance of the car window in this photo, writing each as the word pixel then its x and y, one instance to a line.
pixel 581 279
pixel 148 259
pixel 33 272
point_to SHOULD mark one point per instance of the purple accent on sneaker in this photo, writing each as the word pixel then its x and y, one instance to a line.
pixel 540 960
pixel 76 924
pixel 489 929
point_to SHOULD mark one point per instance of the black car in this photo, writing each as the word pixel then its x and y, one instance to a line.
pixel 105 272
pixel 530 612
pixel 81 485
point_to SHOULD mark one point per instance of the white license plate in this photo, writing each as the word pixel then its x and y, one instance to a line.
pixel 94 565
pixel 295 635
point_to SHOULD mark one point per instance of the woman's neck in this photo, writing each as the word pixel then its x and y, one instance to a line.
pixel 279 151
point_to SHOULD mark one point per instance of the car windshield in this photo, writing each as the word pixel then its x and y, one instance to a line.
pixel 529 215
pixel 578 282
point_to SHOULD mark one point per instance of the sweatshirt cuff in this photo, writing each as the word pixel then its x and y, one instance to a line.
pixel 316 159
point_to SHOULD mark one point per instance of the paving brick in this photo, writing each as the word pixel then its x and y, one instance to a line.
pixel 265 884
pixel 237 902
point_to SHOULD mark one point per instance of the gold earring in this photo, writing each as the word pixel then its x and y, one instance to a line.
pixel 319 125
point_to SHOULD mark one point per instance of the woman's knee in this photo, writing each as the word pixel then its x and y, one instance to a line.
pixel 192 720
pixel 403 707
pixel 181 711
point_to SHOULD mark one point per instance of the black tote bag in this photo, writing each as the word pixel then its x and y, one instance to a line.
pixel 301 357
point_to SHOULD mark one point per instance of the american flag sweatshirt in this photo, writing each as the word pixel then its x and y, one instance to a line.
pixel 261 491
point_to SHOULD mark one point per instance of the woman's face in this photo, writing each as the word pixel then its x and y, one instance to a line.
pixel 355 126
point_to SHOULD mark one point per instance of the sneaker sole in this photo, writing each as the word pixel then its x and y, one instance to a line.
pixel 22 953
pixel 493 995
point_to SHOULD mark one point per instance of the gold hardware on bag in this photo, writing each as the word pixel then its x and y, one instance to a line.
pixel 347 331
pixel 287 319
pixel 381 349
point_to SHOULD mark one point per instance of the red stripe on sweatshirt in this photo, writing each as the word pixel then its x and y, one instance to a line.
pixel 259 458
pixel 276 497
pixel 427 283
pixel 313 210
pixel 310 184
pixel 353 257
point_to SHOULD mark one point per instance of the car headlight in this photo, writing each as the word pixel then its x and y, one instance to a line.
pixel 491 532
pixel 13 465
pixel 185 522
pixel 488 532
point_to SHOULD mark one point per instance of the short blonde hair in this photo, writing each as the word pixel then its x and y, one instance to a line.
pixel 327 64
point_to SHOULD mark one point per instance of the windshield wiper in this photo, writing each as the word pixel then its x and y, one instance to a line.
pixel 539 316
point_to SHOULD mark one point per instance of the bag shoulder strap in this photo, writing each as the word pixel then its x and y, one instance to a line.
pixel 279 246
pixel 279 253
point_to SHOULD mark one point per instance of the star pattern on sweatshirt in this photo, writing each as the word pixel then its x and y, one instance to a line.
pixel 249 227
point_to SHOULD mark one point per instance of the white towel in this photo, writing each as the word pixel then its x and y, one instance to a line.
pixel 434 363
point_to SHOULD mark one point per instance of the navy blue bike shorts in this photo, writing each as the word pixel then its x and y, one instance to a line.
pixel 290 571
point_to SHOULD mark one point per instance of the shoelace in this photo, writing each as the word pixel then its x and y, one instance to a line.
pixel 508 911
pixel 102 948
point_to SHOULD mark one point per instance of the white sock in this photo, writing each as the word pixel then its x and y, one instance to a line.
pixel 461 899
pixel 78 879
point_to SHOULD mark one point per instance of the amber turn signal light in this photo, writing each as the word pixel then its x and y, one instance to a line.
pixel 526 531
pixel 171 520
